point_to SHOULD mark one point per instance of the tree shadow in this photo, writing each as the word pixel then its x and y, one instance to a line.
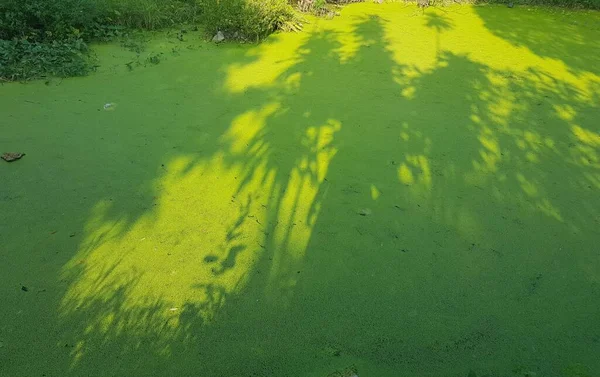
pixel 345 207
pixel 564 35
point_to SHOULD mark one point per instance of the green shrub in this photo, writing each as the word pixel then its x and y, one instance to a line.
pixel 21 59
pixel 250 19
pixel 44 37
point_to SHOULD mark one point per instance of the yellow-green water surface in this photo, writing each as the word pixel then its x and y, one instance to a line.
pixel 389 192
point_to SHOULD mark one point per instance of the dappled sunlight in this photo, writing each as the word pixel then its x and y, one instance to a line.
pixel 290 207
pixel 349 45
pixel 409 35
pixel 291 233
pixel 458 30
pixel 198 245
pixel 565 39
pixel 490 154
pixel 270 61
pixel 587 137
pixel 246 127
pixel 415 172
pixel 498 114
pixel 163 263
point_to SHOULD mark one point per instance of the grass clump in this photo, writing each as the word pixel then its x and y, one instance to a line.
pixel 151 14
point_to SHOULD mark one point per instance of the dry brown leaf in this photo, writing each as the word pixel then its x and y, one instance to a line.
pixel 12 156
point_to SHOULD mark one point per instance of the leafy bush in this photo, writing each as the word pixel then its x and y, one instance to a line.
pixel 44 37
pixel 48 37
pixel 21 59
pixel 251 19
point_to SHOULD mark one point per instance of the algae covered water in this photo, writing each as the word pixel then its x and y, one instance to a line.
pixel 388 193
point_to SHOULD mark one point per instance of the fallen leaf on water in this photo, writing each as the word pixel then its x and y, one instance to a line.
pixel 12 156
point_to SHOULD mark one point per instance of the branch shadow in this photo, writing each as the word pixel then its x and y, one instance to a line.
pixel 564 35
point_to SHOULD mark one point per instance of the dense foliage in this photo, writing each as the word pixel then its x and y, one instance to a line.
pixel 39 37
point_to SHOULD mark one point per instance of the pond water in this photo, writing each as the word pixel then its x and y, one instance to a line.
pixel 388 193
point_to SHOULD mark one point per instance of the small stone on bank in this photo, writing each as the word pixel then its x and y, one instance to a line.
pixel 219 37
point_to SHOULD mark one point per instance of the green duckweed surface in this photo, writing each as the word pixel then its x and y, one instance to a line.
pixel 389 192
